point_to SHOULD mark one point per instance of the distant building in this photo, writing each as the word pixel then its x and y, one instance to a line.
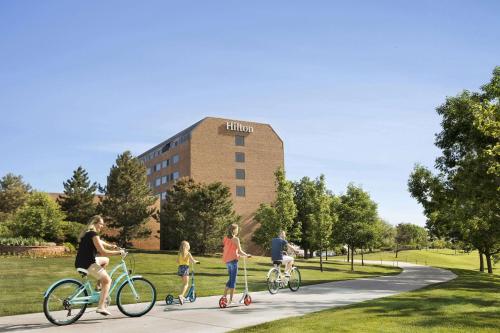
pixel 241 154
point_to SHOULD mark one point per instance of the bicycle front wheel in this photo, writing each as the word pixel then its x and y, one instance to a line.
pixel 136 297
pixel 294 281
pixel 58 305
pixel 273 283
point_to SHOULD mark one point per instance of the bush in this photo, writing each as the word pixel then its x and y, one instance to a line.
pixel 71 231
pixel 22 241
pixel 69 247
pixel 40 217
pixel 5 231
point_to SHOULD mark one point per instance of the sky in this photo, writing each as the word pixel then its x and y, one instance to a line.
pixel 351 87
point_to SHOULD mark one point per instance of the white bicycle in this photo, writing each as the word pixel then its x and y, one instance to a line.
pixel 277 280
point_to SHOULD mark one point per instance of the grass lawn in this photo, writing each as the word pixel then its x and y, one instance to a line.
pixel 470 303
pixel 24 280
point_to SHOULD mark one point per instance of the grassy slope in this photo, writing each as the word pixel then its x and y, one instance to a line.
pixel 470 303
pixel 23 280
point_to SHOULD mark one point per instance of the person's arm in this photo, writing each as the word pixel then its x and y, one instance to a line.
pixel 100 248
pixel 113 246
pixel 236 241
pixel 193 261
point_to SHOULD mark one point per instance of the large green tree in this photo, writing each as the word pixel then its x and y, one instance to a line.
pixel 13 194
pixel 78 198
pixel 128 201
pixel 197 212
pixel 410 235
pixel 280 215
pixel 39 217
pixel 462 201
pixel 357 214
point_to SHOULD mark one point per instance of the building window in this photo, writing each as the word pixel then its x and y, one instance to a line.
pixel 239 157
pixel 157 166
pixel 148 171
pixel 239 140
pixel 164 164
pixel 240 191
pixel 240 173
pixel 164 179
pixel 157 181
pixel 175 175
pixel 175 159
pixel 163 195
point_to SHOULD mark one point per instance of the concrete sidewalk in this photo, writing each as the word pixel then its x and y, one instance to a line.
pixel 205 316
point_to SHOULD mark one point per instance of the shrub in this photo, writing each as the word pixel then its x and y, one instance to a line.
pixel 40 217
pixel 22 241
pixel 71 231
pixel 69 247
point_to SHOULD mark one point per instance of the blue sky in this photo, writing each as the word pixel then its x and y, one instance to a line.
pixel 351 87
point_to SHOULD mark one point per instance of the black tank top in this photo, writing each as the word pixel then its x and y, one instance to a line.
pixel 86 251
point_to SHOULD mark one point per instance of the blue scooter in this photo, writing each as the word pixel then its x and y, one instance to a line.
pixel 191 294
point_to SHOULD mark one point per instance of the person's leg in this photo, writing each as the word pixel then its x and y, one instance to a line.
pixel 103 262
pixel 98 272
pixel 288 261
pixel 185 282
pixel 234 274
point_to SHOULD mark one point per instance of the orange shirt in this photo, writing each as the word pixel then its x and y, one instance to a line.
pixel 230 250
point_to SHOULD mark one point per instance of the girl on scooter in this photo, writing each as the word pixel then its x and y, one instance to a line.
pixel 231 254
pixel 183 260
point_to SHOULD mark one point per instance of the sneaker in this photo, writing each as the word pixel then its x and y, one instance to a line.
pixel 104 312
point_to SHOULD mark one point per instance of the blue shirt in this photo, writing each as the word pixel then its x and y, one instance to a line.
pixel 277 246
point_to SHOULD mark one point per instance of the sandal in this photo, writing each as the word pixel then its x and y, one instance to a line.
pixel 104 312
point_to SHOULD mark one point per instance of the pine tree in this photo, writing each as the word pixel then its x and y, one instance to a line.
pixel 13 193
pixel 128 201
pixel 78 199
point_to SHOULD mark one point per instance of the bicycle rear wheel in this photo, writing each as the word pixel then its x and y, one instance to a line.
pixel 294 281
pixel 140 303
pixel 273 284
pixel 57 305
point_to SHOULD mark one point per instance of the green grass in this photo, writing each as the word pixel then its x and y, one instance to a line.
pixel 24 280
pixel 445 258
pixel 470 303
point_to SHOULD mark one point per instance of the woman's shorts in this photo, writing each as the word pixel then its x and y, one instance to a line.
pixel 183 270
pixel 232 270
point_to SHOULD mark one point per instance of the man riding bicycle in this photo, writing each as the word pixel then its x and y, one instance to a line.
pixel 278 245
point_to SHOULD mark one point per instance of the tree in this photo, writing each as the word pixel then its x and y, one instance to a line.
pixel 13 194
pixel 384 235
pixel 197 212
pixel 128 201
pixel 320 219
pixel 462 201
pixel 280 215
pixel 357 214
pixel 40 217
pixel 78 199
pixel 410 236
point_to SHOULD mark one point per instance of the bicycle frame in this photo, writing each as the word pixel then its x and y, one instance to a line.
pixel 94 296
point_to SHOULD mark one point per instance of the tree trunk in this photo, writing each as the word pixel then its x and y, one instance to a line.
pixel 362 257
pixel 488 263
pixel 352 258
pixel 327 254
pixel 321 260
pixel 397 250
pixel 481 262
pixel 348 253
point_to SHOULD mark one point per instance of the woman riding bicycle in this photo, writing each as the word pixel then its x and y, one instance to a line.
pixel 86 258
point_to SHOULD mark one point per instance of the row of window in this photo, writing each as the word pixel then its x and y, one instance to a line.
pixel 165 179
pixel 166 147
pixel 240 158
pixel 163 164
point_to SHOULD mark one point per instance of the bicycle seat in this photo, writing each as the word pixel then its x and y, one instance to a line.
pixel 83 272
pixel 277 262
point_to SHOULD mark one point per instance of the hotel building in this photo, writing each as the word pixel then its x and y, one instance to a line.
pixel 242 155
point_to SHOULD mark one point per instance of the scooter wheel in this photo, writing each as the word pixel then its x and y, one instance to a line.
pixel 223 302
pixel 169 299
pixel 247 300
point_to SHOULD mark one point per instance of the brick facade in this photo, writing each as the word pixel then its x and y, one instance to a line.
pixel 206 153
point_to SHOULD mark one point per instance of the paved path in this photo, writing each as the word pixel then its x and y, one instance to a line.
pixel 205 316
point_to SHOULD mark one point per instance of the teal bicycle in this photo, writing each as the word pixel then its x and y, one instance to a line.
pixel 65 301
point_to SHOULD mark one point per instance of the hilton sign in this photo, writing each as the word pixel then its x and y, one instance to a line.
pixel 237 127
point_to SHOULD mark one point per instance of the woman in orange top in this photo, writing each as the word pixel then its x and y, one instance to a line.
pixel 232 251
